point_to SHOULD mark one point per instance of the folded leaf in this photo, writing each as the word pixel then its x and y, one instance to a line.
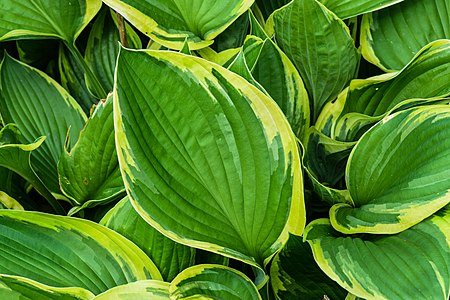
pixel 391 37
pixel 213 282
pixel 345 9
pixel 69 252
pixel 139 290
pixel 171 22
pixel 170 257
pixel 89 173
pixel 15 287
pixel 398 174
pixel 320 46
pixel 413 264
pixel 46 18
pixel 40 107
pixel 211 163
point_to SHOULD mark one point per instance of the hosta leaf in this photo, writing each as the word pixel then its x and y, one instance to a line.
pixel 277 74
pixel 15 287
pixel 37 53
pixel 213 282
pixel 82 253
pixel 295 274
pixel 350 8
pixel 234 35
pixel 391 37
pixel 46 18
pixel 7 202
pixel 319 45
pixel 170 257
pixel 426 76
pixel 139 290
pixel 40 107
pixel 398 174
pixel 267 7
pixel 413 264
pixel 103 46
pixel 213 163
pixel 171 22
pixel 72 79
pixel 89 173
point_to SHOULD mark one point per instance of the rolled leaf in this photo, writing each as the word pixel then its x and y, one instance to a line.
pixel 15 287
pixel 170 257
pixel 345 9
pixel 170 23
pixel 391 37
pixel 397 174
pixel 40 107
pixel 295 274
pixel 69 252
pixel 320 46
pixel 213 282
pixel 212 164
pixel 413 264
pixel 46 18
pixel 89 173
pixel 139 290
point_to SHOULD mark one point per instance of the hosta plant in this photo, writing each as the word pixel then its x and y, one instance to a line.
pixel 241 149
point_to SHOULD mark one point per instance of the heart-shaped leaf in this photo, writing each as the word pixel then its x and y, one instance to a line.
pixel 212 163
pixel 171 22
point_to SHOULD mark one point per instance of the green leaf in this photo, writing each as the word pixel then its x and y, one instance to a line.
pixel 16 157
pixel 426 76
pixel 213 163
pixel 391 37
pixel 72 79
pixel 7 202
pixel 295 275
pixel 40 107
pixel 345 9
pixel 15 287
pixel 170 257
pixel 320 46
pixel 139 290
pixel 171 22
pixel 103 46
pixel 89 173
pixel 267 7
pixel 37 53
pixel 213 282
pixel 413 264
pixel 398 174
pixel 46 18
pixel 234 35
pixel 82 253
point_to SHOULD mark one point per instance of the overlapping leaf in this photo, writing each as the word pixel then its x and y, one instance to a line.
pixel 171 22
pixel 69 252
pixel 320 46
pixel 413 264
pixel 138 290
pixel 40 107
pixel 398 173
pixel 212 163
pixel 391 37
pixel 350 8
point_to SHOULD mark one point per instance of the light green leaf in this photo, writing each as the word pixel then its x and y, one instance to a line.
pixel 103 46
pixel 46 18
pixel 139 290
pixel 398 174
pixel 426 76
pixel 295 275
pixel 15 287
pixel 320 46
pixel 89 173
pixel 413 264
pixel 345 9
pixel 213 282
pixel 170 257
pixel 213 163
pixel 16 157
pixel 171 22
pixel 7 202
pixel 391 37
pixel 69 252
pixel 40 107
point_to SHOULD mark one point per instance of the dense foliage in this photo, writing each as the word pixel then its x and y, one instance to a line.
pixel 268 149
